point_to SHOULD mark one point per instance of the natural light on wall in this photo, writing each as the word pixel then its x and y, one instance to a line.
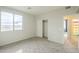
pixel 10 21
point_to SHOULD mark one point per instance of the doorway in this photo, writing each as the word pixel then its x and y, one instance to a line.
pixel 72 29
pixel 45 28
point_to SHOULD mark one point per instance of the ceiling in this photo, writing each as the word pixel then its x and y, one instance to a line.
pixel 35 10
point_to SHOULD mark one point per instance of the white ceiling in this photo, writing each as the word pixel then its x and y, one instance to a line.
pixel 35 10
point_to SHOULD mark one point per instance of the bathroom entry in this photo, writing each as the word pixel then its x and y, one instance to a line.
pixel 45 28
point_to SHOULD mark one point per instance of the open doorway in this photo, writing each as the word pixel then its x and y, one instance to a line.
pixel 71 29
pixel 45 28
pixel 65 28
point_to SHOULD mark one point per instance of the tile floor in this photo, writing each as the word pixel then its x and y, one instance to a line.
pixel 33 45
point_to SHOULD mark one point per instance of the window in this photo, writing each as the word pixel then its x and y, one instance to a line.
pixel 6 21
pixel 10 21
pixel 17 22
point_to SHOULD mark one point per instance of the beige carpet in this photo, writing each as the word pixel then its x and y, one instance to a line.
pixel 33 45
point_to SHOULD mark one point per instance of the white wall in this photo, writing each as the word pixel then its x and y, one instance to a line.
pixel 29 28
pixel 55 24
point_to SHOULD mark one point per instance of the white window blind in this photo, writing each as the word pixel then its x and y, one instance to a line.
pixel 6 21
pixel 10 21
pixel 17 22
